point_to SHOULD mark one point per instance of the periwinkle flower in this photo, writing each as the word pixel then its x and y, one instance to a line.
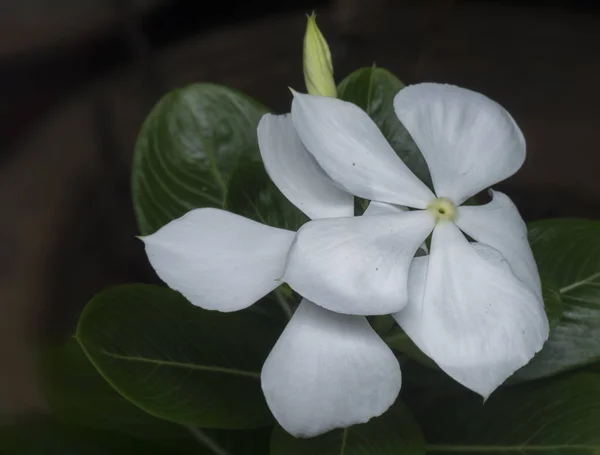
pixel 327 370
pixel 475 308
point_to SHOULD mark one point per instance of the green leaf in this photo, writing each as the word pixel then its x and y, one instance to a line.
pixel 44 437
pixel 373 90
pixel 424 377
pixel 252 194
pixel 236 442
pixel 393 433
pixel 78 395
pixel 568 253
pixel 187 149
pixel 559 416
pixel 176 361
pixel 553 303
pixel 383 324
pixel 399 341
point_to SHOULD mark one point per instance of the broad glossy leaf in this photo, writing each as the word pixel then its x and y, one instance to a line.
pixel 395 432
pixel 373 89
pixel 568 253
pixel 235 442
pixel 177 361
pixel 399 341
pixel 417 375
pixel 252 194
pixel 558 416
pixel 44 437
pixel 78 395
pixel 187 149
pixel 553 302
pixel 383 324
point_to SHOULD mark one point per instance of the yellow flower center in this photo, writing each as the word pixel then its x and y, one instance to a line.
pixel 442 209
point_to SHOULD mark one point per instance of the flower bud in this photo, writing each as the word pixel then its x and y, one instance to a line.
pixel 318 69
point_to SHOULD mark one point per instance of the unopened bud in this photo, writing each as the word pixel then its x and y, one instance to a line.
pixel 318 69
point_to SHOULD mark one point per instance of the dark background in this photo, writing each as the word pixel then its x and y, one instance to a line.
pixel 77 78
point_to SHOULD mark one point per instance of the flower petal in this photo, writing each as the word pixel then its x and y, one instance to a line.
pixel 470 314
pixel 499 225
pixel 351 149
pixel 469 141
pixel 382 208
pixel 296 173
pixel 218 260
pixel 357 265
pixel 328 370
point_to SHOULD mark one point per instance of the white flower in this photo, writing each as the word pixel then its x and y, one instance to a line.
pixel 327 370
pixel 474 308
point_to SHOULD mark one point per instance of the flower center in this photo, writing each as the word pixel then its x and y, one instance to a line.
pixel 442 209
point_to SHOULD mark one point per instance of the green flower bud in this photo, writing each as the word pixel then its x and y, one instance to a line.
pixel 318 69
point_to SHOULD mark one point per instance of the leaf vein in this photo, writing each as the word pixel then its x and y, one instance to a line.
pixel 175 364
pixel 579 283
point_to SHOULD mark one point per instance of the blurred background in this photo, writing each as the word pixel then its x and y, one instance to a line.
pixel 77 78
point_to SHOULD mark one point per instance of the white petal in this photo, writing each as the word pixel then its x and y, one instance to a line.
pixel 470 314
pixel 469 141
pixel 382 208
pixel 218 260
pixel 499 225
pixel 328 370
pixel 296 173
pixel 351 149
pixel 357 265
